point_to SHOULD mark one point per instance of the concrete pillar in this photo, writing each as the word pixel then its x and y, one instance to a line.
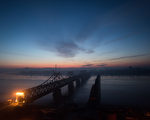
pixel 57 96
pixel 70 88
pixel 82 80
pixel 78 82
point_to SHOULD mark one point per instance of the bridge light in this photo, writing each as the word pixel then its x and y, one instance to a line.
pixel 20 98
pixel 20 93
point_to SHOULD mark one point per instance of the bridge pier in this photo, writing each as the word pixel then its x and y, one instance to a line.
pixel 57 96
pixel 78 82
pixel 70 88
pixel 83 80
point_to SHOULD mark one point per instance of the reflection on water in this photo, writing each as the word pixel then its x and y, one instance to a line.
pixel 115 90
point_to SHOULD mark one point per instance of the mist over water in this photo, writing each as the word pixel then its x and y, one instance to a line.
pixel 11 83
pixel 115 90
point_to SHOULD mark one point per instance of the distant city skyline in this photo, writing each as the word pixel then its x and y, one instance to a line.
pixel 74 33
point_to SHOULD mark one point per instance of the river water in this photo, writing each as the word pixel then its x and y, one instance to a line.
pixel 115 90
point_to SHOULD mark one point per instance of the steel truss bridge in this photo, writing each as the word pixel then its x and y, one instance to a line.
pixel 55 81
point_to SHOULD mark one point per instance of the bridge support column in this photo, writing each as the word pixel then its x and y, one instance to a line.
pixel 70 88
pixel 78 82
pixel 83 79
pixel 57 96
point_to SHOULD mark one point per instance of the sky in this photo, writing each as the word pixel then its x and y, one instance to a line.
pixel 74 33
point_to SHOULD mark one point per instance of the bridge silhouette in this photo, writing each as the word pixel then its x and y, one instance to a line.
pixel 53 84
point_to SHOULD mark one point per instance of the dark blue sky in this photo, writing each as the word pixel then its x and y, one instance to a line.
pixel 74 33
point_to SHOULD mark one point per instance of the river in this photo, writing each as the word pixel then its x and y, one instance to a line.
pixel 115 90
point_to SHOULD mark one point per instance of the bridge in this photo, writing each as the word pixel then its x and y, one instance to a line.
pixel 95 95
pixel 53 84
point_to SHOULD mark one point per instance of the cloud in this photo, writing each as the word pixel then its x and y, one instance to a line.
pixel 102 65
pixel 68 49
pixel 87 65
pixel 16 54
pixel 64 48
pixel 93 65
pixel 131 56
pixel 89 51
pixel 108 52
pixel 89 28
pixel 120 38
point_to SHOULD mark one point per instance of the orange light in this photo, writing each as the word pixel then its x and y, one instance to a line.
pixel 19 98
pixel 20 93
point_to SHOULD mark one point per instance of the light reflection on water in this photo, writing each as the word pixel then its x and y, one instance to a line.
pixel 115 90
pixel 9 84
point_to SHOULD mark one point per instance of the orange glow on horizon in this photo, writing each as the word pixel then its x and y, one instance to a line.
pixel 78 65
pixel 42 66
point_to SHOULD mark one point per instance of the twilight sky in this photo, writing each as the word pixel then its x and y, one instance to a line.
pixel 74 33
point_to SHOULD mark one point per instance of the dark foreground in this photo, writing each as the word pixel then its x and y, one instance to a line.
pixel 73 112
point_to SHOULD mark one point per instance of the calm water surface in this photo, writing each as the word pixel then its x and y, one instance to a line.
pixel 115 90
